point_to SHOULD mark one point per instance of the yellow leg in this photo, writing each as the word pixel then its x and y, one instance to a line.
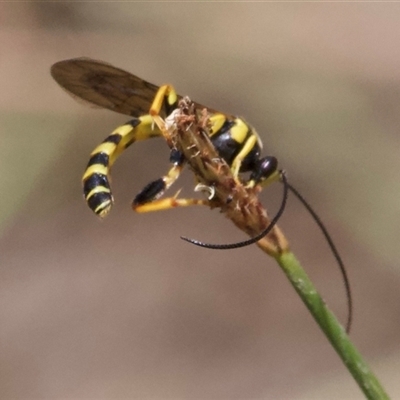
pixel 165 101
pixel 237 162
pixel 241 133
pixel 170 202
pixel 165 93
pixel 96 184
pixel 156 189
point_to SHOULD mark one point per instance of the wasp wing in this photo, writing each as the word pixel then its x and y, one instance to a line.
pixel 106 86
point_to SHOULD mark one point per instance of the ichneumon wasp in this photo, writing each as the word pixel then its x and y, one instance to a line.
pixel 236 142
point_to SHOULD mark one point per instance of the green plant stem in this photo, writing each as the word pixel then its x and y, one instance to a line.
pixel 242 206
pixel 335 333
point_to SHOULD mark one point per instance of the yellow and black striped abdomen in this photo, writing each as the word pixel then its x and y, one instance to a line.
pixel 96 183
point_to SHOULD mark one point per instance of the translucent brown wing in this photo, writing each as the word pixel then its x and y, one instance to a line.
pixel 105 86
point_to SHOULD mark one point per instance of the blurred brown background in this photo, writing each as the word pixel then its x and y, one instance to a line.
pixel 123 308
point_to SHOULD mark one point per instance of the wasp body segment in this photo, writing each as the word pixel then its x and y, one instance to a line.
pixel 103 85
pixel 96 184
pixel 236 142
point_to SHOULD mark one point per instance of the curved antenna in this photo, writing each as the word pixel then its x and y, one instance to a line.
pixel 255 238
pixel 335 253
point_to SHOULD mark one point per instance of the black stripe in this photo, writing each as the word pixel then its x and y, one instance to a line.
pixel 99 158
pixel 134 122
pixel 98 199
pixel 93 181
pixel 226 126
pixel 114 138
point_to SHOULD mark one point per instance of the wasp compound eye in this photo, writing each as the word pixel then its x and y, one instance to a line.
pixel 265 168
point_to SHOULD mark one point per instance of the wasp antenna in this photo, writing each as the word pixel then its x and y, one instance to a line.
pixel 335 253
pixel 255 238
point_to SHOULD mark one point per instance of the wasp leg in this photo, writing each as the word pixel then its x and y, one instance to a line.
pixel 164 103
pixel 170 202
pixel 233 136
pixel 165 96
pixel 96 184
pixel 247 147
pixel 156 189
pixel 148 199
